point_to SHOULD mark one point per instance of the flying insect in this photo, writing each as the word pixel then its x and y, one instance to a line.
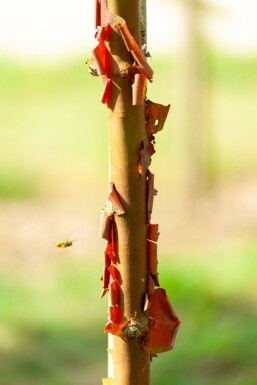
pixel 62 245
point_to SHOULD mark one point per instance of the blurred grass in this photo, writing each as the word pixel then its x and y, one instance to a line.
pixel 53 126
pixel 53 137
pixel 18 184
pixel 52 321
pixel 49 126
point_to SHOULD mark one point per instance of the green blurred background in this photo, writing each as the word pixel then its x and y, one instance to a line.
pixel 54 182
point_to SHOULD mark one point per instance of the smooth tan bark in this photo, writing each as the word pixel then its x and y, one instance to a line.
pixel 126 132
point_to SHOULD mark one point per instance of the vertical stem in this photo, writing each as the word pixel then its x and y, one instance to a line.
pixel 126 131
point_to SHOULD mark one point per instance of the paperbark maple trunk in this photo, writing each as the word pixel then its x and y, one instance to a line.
pixel 126 123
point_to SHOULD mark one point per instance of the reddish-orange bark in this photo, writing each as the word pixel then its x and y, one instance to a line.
pixel 163 323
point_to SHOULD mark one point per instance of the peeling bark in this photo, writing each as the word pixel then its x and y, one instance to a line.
pixel 126 133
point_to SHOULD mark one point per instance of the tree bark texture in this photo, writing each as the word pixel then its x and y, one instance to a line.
pixel 142 322
pixel 126 124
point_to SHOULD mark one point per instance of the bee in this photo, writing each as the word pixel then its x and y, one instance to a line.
pixel 62 245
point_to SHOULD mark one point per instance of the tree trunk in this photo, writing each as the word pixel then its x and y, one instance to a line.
pixel 126 125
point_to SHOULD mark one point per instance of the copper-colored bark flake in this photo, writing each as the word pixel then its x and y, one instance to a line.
pixel 106 96
pixel 113 203
pixel 136 52
pixel 116 328
pixel 115 274
pixel 156 115
pixel 138 89
pixel 115 314
pixel 150 284
pixel 145 153
pixel 101 62
pixel 110 251
pixel 102 34
pixel 110 256
pixel 97 13
pixel 101 57
pixel 155 278
pixel 152 257
pixel 114 293
pixel 152 232
pixel 150 192
pixel 111 276
pixel 106 275
pixel 104 228
pixel 163 324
